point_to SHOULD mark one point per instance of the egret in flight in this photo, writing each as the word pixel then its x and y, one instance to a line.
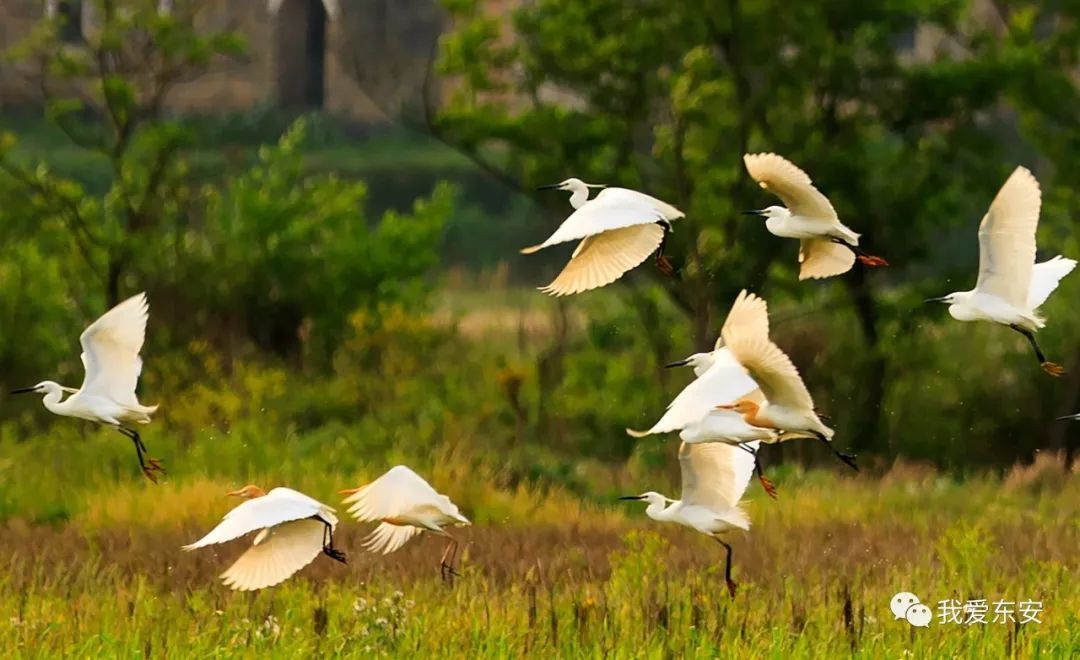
pixel 404 505
pixel 720 379
pixel 112 364
pixel 714 478
pixel 826 246
pixel 1011 286
pixel 293 529
pixel 620 228
pixel 788 407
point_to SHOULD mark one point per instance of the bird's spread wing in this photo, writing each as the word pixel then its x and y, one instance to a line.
pixel 601 259
pixel 613 208
pixel 784 179
pixel 1007 239
pixel 1045 278
pixel 771 369
pixel 749 313
pixel 388 537
pixel 821 257
pixel 395 493
pixel 111 348
pixel 284 550
pixel 715 475
pixel 276 507
pixel 723 382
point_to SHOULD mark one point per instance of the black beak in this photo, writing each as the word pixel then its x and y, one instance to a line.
pixel 24 390
pixel 941 299
pixel 753 212
pixel 550 186
pixel 678 363
pixel 631 497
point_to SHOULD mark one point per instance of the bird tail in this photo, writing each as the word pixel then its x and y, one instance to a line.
pixel 737 517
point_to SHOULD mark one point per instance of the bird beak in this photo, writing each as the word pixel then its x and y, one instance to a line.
pixel 550 186
pixel 631 497
pixel 348 491
pixel 235 493
pixel 596 185
pixel 1068 417
pixel 941 299
pixel 725 406
pixel 24 390
pixel 753 212
pixel 677 363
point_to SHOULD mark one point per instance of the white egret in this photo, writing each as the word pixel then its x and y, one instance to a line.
pixel 404 505
pixel 293 529
pixel 720 379
pixel 112 364
pixel 826 246
pixel 620 228
pixel 789 407
pixel 714 478
pixel 1011 286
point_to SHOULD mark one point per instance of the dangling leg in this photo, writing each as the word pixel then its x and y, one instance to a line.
pixel 727 568
pixel 149 465
pixel 849 459
pixel 1051 368
pixel 662 262
pixel 770 488
pixel 328 542
pixel 446 563
pixel 864 257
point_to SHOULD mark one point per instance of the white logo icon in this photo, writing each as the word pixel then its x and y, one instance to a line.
pixel 906 605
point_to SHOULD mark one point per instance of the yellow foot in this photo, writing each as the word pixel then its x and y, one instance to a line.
pixel 872 261
pixel 770 488
pixel 1053 368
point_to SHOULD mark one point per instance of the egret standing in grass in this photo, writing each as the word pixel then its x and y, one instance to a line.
pixel 620 228
pixel 714 478
pixel 404 505
pixel 1011 286
pixel 720 379
pixel 788 409
pixel 293 530
pixel 826 246
pixel 111 360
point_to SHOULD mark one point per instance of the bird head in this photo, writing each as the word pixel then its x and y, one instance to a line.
pixel 696 360
pixel 649 496
pixel 769 212
pixel 571 184
pixel 742 406
pixel 247 492
pixel 950 299
pixel 44 387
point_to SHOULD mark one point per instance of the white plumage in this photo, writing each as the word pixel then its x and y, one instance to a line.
pixel 110 357
pixel 404 504
pixel 1011 286
pixel 618 229
pixel 292 530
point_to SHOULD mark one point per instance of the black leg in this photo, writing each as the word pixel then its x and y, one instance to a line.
pixel 662 262
pixel 1051 368
pixel 328 542
pixel 149 466
pixel 864 257
pixel 727 568
pixel 848 459
pixel 446 564
pixel 766 483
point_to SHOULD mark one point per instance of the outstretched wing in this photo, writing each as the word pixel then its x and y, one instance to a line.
pixel 715 475
pixel 603 258
pixel 724 382
pixel 821 257
pixel 784 179
pixel 282 551
pixel 1045 278
pixel 749 313
pixel 279 506
pixel 1007 239
pixel 397 492
pixel 771 369
pixel 388 537
pixel 613 208
pixel 111 348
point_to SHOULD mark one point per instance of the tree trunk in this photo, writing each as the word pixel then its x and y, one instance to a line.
pixel 867 436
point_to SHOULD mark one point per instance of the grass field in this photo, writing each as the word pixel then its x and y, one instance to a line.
pixel 545 573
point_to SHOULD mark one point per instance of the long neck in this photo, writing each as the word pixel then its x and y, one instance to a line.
pixel 579 196
pixel 756 418
pixel 659 510
pixel 53 403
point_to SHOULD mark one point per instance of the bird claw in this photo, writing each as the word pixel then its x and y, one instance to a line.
pixel 731 587
pixel 1052 368
pixel 768 485
pixel 448 573
pixel 336 555
pixel 148 471
pixel 871 261
pixel 665 266
pixel 849 460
